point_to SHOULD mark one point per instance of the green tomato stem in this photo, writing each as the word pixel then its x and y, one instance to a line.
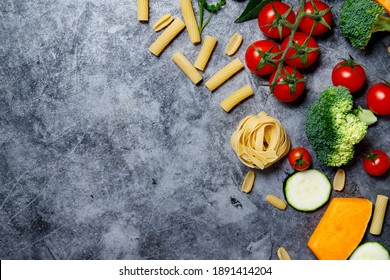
pixel 294 29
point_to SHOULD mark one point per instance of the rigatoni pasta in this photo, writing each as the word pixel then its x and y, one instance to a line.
pixel 143 10
pixel 163 22
pixel 166 37
pixel 235 98
pixel 190 20
pixel 187 67
pixel 224 74
pixel 205 53
pixel 234 44
pixel 379 214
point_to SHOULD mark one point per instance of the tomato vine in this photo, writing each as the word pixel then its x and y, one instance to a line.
pixel 294 28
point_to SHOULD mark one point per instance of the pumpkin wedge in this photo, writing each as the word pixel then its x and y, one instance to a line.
pixel 341 228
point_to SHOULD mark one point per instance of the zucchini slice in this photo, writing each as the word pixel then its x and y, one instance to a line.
pixel 370 251
pixel 307 190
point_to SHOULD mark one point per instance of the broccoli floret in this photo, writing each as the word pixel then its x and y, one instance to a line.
pixel 359 19
pixel 332 128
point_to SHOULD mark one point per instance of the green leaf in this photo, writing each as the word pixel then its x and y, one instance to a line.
pixel 211 8
pixel 252 10
pixel 365 115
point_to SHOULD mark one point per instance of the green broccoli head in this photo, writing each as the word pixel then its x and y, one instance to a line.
pixel 359 19
pixel 332 128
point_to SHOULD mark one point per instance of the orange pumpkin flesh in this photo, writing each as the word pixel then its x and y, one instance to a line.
pixel 341 228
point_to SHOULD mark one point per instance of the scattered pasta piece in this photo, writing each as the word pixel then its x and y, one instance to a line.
pixel 190 20
pixel 166 37
pixel 260 141
pixel 143 10
pixel 224 74
pixel 205 52
pixel 249 181
pixel 379 214
pixel 163 22
pixel 187 67
pixel 283 255
pixel 276 202
pixel 234 44
pixel 339 180
pixel 235 98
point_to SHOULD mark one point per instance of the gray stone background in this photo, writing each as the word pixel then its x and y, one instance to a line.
pixel 108 152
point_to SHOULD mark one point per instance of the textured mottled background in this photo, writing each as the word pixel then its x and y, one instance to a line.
pixel 108 152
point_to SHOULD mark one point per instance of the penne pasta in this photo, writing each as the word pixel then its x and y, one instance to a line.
pixel 235 98
pixel 143 10
pixel 234 44
pixel 166 37
pixel 224 74
pixel 190 20
pixel 163 22
pixel 205 53
pixel 187 67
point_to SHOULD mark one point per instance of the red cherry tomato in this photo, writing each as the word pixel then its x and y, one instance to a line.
pixel 376 163
pixel 268 22
pixel 262 57
pixel 378 99
pixel 299 159
pixel 289 85
pixel 349 74
pixel 303 52
pixel 323 19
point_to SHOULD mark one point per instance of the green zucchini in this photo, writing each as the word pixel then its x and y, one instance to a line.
pixel 307 190
pixel 370 251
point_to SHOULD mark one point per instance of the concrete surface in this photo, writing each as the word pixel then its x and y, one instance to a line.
pixel 108 152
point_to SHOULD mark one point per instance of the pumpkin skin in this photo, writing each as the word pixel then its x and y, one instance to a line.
pixel 341 228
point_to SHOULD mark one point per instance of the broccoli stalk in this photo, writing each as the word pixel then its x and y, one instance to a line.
pixel 359 19
pixel 332 128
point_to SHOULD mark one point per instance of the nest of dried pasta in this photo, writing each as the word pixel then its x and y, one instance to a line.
pixel 260 141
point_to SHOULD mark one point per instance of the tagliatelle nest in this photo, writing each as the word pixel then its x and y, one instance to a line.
pixel 260 141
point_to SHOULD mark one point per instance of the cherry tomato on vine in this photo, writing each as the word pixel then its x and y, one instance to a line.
pixel 378 99
pixel 262 56
pixel 303 52
pixel 349 74
pixel 320 21
pixel 299 159
pixel 289 85
pixel 376 163
pixel 273 19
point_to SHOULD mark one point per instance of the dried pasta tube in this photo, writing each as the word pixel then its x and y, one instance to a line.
pixel 163 22
pixel 379 214
pixel 235 98
pixel 205 53
pixel 143 10
pixel 224 74
pixel 167 36
pixel 234 44
pixel 190 20
pixel 187 67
